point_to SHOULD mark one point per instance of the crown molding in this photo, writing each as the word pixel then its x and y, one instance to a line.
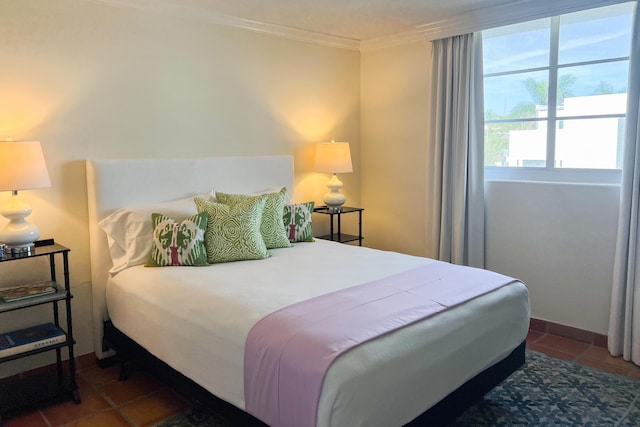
pixel 393 40
pixel 170 8
pixel 293 33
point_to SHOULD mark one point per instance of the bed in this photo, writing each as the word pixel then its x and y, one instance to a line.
pixel 199 326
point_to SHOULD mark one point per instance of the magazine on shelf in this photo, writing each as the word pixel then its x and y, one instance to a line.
pixel 28 339
pixel 16 293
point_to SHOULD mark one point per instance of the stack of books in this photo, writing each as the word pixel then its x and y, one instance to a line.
pixel 31 290
pixel 33 338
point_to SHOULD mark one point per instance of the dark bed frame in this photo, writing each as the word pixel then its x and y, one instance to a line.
pixel 441 414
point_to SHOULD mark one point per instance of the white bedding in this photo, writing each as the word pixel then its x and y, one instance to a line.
pixel 197 319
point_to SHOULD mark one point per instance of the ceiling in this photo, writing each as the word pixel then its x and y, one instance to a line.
pixel 358 20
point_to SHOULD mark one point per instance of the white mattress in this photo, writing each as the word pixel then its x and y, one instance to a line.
pixel 197 319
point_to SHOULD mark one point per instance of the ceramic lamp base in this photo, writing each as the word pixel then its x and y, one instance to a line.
pixel 334 199
pixel 18 234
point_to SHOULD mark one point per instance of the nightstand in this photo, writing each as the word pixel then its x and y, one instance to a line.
pixel 30 390
pixel 339 236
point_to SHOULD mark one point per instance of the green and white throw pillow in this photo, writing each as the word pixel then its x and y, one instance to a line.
pixel 178 243
pixel 297 220
pixel 233 233
pixel 272 228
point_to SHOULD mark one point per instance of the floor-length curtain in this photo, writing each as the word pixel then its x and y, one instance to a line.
pixel 456 153
pixel 624 323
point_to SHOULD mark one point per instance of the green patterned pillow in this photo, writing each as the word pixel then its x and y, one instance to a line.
pixel 297 220
pixel 178 243
pixel 233 233
pixel 272 228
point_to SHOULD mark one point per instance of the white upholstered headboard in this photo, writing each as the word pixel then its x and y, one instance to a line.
pixel 114 183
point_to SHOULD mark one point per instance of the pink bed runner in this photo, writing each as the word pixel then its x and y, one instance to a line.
pixel 288 352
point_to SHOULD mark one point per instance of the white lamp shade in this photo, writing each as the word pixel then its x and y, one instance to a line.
pixel 333 157
pixel 22 166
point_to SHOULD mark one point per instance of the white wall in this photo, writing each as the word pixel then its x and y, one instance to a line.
pixel 395 112
pixel 558 238
pixel 96 81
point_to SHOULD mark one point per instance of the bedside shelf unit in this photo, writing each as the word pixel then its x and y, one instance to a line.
pixel 339 236
pixel 31 390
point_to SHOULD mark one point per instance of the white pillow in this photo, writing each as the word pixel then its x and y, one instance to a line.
pixel 130 231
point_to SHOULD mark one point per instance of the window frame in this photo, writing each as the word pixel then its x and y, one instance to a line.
pixel 550 172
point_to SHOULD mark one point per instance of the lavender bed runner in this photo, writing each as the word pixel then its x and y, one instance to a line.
pixel 288 352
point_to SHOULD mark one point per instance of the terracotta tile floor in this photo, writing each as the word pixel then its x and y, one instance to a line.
pixel 140 401
pixel 143 401
pixel 585 354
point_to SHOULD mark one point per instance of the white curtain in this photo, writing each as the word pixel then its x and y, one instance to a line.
pixel 456 151
pixel 624 323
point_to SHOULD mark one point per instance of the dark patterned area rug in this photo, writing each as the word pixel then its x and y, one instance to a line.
pixel 545 392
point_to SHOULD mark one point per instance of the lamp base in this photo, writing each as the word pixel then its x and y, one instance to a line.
pixel 22 250
pixel 334 199
pixel 18 234
pixel 334 209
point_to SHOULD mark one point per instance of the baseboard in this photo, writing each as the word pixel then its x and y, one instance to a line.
pixel 577 334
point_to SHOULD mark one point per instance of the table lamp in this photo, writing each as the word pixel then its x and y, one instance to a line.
pixel 333 157
pixel 22 167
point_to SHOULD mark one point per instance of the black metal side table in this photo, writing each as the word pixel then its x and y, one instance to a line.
pixel 339 236
pixel 33 389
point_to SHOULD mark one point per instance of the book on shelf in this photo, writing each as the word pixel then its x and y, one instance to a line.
pixel 16 293
pixel 28 339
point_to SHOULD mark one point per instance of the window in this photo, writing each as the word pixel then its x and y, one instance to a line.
pixel 555 93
